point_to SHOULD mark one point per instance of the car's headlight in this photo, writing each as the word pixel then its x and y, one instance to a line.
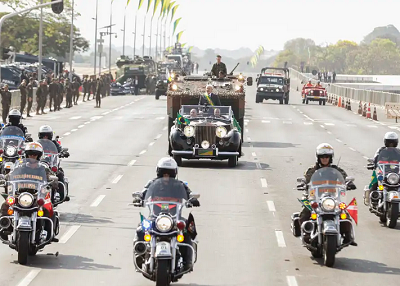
pixel 25 200
pixel 174 87
pixel 237 87
pixel 221 131
pixel 393 195
pixel 277 89
pixel 328 205
pixel 205 144
pixel 320 91
pixel 165 81
pixel 189 131
pixel 261 89
pixel 393 179
pixel 164 223
pixel 10 151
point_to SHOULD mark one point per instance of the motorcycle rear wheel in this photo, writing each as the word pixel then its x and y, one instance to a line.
pixel 330 245
pixel 162 270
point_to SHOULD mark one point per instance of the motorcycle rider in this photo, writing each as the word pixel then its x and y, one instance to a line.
pixel 168 168
pixel 46 132
pixel 33 151
pixel 324 154
pixel 14 119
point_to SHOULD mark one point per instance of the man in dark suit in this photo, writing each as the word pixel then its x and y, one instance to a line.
pixel 212 98
pixel 219 67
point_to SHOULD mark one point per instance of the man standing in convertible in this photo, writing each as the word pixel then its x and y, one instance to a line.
pixel 209 97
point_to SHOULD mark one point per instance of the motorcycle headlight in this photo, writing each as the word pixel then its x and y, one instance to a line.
pixel 10 151
pixel 188 131
pixel 205 144
pixel 393 179
pixel 328 205
pixel 221 131
pixel 164 223
pixel 277 89
pixel 25 200
pixel 393 195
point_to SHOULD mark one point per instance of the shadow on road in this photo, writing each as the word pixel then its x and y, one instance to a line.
pixel 212 164
pixel 80 164
pixel 82 218
pixel 73 262
pixel 270 145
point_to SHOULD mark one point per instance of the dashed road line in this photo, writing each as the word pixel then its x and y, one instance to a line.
pixel 29 278
pixel 98 200
pixel 131 163
pixel 291 281
pixel 160 118
pixel 309 118
pixel 264 183
pixel 87 122
pixel 253 154
pixel 330 124
pixel 352 149
pixel 116 180
pixel 73 130
pixel 322 126
pixel 165 128
pixel 249 139
pixel 247 130
pixel 308 123
pixel 265 121
pixel 329 132
pixel 105 113
pixel 372 126
pixel 151 143
pixel 80 126
pixel 71 231
pixel 76 117
pixel 287 122
pixel 271 206
pixel 338 140
pixel 280 238
pixel 143 151
pixel 158 136
pixel 66 134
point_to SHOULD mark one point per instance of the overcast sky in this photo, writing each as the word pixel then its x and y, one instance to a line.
pixel 231 24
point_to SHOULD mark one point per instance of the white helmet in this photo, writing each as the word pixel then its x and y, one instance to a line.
pixel 324 149
pixel 168 166
pixel 34 148
pixel 14 116
pixel 45 130
pixel 391 139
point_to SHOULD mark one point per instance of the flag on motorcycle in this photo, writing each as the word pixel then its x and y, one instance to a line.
pixel 48 205
pixel 306 203
pixel 374 179
pixel 182 119
pixel 352 209
pixel 237 125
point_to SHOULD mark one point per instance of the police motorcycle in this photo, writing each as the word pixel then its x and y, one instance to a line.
pixel 12 143
pixel 326 201
pixel 31 221
pixel 51 158
pixel 384 202
pixel 166 235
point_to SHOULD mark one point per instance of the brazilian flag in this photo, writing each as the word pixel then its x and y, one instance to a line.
pixel 182 119
pixel 374 179
pixel 306 203
pixel 236 124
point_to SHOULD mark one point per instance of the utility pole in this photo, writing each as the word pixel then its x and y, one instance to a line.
pixel 71 41
pixel 109 56
pixel 134 39
pixel 95 39
pixel 40 43
pixel 123 45
pixel 101 49
pixel 144 33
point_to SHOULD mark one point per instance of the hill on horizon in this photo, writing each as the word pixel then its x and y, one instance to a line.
pixel 385 32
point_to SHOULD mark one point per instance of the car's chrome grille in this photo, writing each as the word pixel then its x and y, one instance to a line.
pixel 205 133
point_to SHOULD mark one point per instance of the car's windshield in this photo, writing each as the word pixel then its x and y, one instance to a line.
pixel 327 182
pixel 389 160
pixel 194 111
pixel 270 80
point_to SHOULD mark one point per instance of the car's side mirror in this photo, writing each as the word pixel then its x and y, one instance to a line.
pixel 249 81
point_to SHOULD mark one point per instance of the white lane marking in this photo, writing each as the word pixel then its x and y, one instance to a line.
pixel 75 117
pixel 338 140
pixel 151 143
pixel 131 163
pixel 329 124
pixel 308 123
pixel 291 281
pixel 393 127
pixel 287 122
pixel 280 238
pixel 29 278
pixel 329 132
pixel 98 201
pixel 245 124
pixel 322 126
pixel 301 112
pixel 254 154
pixel 258 165
pixel 247 130
pixel 264 183
pixel 351 125
pixel 66 134
pixel 352 149
pixel 80 126
pixel 160 118
pixel 249 139
pixel 87 122
pixel 365 157
pixel 158 136
pixel 116 180
pixel 372 126
pixel 105 113
pixel 294 106
pixel 95 117
pixel 165 128
pixel 71 231
pixel 274 118
pixel 271 206
pixel 265 121
pixel 309 118
pixel 73 130
pixel 143 151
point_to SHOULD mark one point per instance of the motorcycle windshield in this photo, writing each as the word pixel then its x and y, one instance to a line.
pixel 11 136
pixel 165 195
pixel 28 176
pixel 389 160
pixel 50 152
pixel 327 182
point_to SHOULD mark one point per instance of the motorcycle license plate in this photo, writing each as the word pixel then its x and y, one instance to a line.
pixel 24 222
pixel 163 249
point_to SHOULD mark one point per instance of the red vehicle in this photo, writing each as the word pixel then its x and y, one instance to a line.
pixel 313 93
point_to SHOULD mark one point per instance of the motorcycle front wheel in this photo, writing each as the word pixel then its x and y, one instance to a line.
pixel 23 247
pixel 162 270
pixel 330 245
pixel 392 215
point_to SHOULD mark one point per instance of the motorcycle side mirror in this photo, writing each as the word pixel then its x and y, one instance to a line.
pixel 301 180
pixel 3 183
pixel 350 179
pixel 27 135
pixel 137 194
pixel 65 149
pixel 194 195
pixel 369 160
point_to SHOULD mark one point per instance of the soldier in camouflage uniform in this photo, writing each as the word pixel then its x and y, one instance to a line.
pixel 86 88
pixel 219 67
pixel 30 96
pixel 324 155
pixel 68 91
pixel 5 102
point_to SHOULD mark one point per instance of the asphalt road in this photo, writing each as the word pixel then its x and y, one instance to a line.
pixel 244 218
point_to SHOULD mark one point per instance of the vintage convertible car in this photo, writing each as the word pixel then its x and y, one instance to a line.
pixel 312 93
pixel 205 132
pixel 126 88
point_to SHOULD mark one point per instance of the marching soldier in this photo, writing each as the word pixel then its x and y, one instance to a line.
pixel 30 96
pixel 5 102
pixel 24 91
pixel 53 90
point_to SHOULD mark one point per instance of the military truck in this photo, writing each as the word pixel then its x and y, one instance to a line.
pixel 273 83
pixel 144 68
pixel 187 91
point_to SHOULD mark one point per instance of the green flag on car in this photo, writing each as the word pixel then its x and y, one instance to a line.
pixel 182 119
pixel 237 125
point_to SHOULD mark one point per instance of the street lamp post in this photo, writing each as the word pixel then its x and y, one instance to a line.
pixel 109 56
pixel 108 33
pixel 134 39
pixel 151 31
pixel 40 43
pixel 158 20
pixel 123 45
pixel 144 33
pixel 95 38
pixel 71 41
pixel 101 49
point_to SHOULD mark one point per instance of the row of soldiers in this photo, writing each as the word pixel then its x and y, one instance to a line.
pixel 100 87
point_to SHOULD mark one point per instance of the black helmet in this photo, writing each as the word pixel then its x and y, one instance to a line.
pixel 167 166
pixel 14 117
pixel 391 139
pixel 45 130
